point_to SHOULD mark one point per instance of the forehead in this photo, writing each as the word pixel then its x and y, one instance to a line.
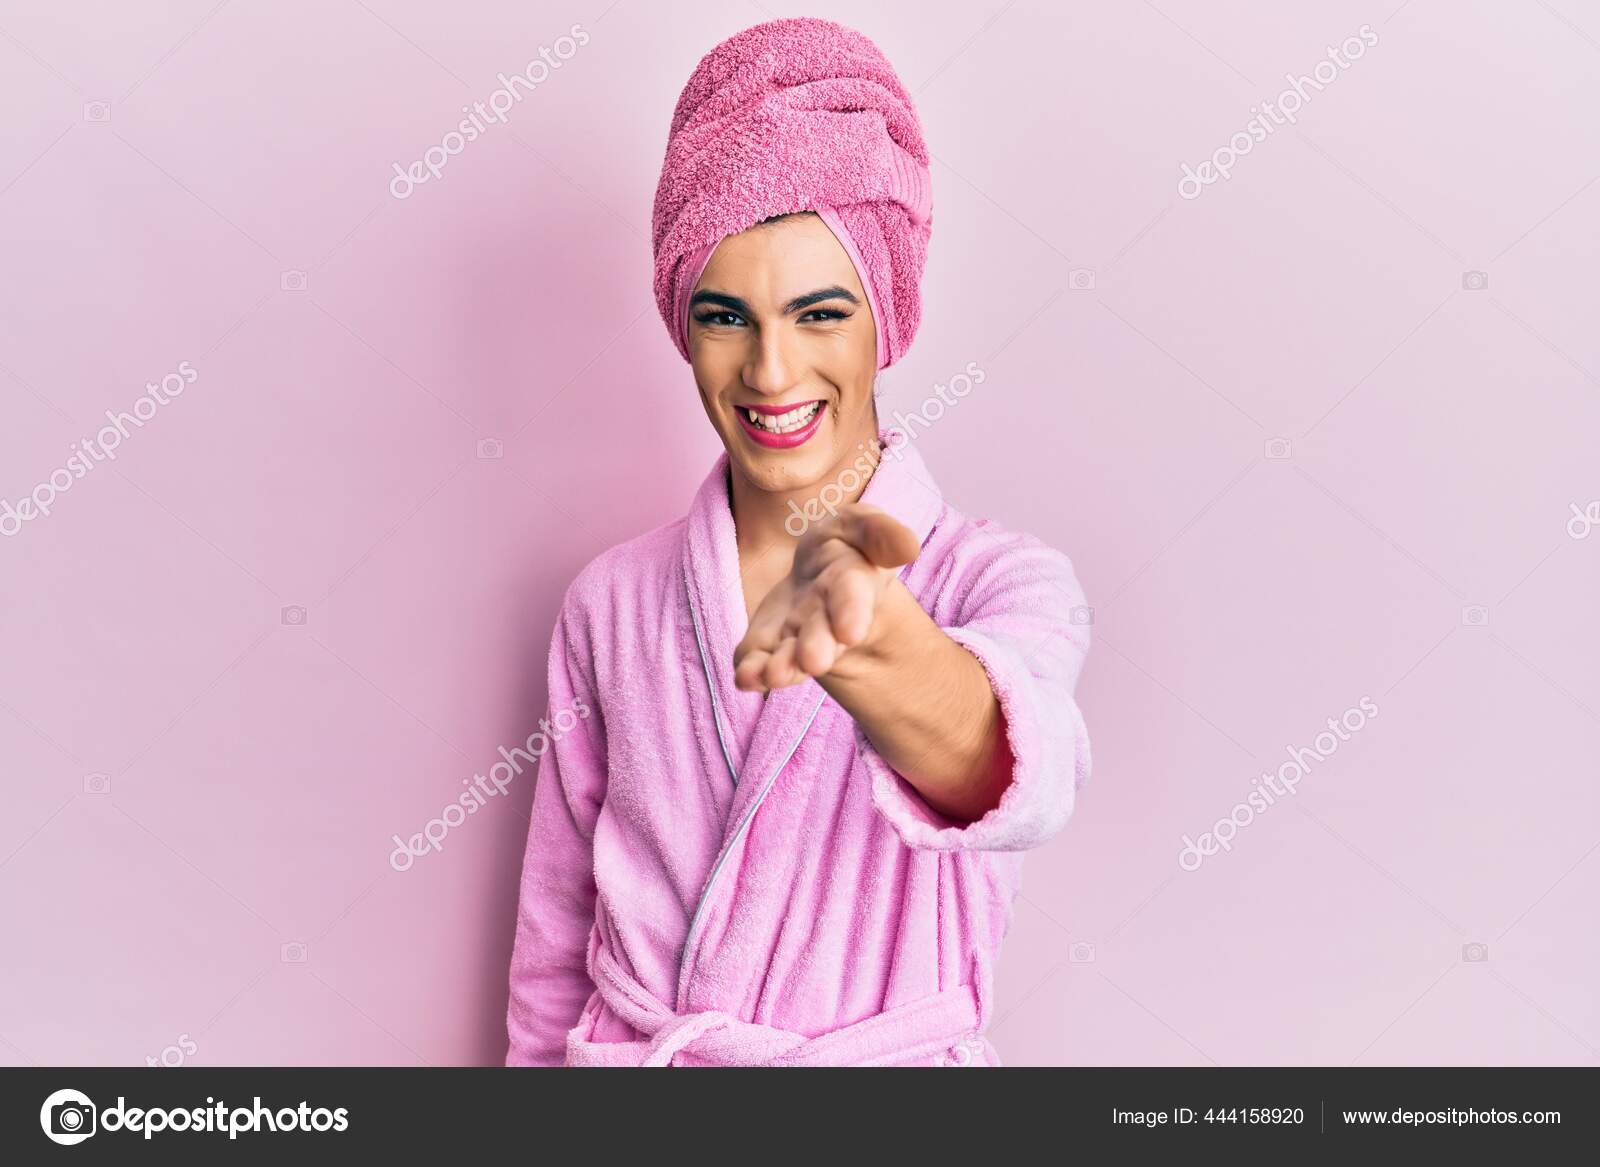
pixel 775 262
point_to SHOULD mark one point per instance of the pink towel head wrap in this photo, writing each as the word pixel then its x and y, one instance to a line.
pixel 797 115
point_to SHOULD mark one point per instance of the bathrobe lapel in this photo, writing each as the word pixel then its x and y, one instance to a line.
pixel 758 737
pixel 716 609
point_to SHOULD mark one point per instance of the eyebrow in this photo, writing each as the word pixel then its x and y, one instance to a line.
pixel 798 304
pixel 732 303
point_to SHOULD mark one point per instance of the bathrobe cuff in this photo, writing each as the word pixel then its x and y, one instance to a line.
pixel 1049 747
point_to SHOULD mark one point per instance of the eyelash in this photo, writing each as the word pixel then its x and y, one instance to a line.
pixel 716 319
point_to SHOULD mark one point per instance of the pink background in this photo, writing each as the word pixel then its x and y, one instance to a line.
pixel 328 457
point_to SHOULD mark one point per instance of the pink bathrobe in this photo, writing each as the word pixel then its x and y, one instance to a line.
pixel 712 878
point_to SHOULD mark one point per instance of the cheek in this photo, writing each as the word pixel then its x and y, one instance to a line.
pixel 852 366
pixel 715 369
pixel 855 381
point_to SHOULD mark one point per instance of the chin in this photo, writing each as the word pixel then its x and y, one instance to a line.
pixel 780 472
pixel 783 462
pixel 788 478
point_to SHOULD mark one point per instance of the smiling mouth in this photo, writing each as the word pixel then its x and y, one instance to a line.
pixel 785 422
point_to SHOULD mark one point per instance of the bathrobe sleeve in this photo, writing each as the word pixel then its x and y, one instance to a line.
pixel 550 982
pixel 1023 616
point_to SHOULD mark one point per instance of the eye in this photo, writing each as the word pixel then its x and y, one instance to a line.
pixel 825 314
pixel 723 319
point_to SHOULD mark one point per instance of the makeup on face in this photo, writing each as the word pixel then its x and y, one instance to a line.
pixel 783 343
pixel 781 427
pixel 778 425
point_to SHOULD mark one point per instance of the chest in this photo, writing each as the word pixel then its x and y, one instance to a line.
pixel 760 572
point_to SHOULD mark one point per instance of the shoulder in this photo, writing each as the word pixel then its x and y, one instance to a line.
pixel 643 565
pixel 976 561
pixel 616 602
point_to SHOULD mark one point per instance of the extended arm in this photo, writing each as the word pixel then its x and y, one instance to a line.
pixel 922 699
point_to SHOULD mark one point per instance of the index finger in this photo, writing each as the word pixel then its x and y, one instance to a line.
pixel 880 537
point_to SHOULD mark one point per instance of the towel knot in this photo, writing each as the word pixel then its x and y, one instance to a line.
pixel 680 1032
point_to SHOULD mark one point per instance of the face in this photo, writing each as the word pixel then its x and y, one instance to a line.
pixel 784 351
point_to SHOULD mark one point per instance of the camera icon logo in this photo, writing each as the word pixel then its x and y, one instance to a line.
pixel 1278 449
pixel 68 1117
pixel 97 784
pixel 1474 953
pixel 294 615
pixel 490 448
pixel 1474 281
pixel 97 111
pixel 292 280
pixel 1081 279
pixel 293 952
pixel 1475 616
pixel 1082 615
pixel 1081 953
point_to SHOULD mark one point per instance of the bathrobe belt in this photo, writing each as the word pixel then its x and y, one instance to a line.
pixel 905 1035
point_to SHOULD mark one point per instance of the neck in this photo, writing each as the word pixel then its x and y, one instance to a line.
pixel 766 521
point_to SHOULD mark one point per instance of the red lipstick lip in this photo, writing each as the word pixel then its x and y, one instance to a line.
pixel 774 410
pixel 774 441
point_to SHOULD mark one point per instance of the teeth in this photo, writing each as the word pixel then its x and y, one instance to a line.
pixel 783 423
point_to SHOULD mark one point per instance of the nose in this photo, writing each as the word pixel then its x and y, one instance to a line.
pixel 771 367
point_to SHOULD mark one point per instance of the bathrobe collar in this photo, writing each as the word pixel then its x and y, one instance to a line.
pixel 758 735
